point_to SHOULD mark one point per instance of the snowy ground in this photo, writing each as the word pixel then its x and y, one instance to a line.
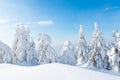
pixel 51 72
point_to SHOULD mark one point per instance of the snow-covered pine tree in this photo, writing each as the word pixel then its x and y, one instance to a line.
pixel 21 46
pixel 68 54
pixel 33 54
pixel 116 35
pixel 15 46
pixel 98 51
pixel 82 53
pixel 114 53
pixel 107 62
pixel 5 53
pixel 46 54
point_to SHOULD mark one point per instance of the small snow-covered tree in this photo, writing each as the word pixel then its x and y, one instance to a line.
pixel 116 35
pixel 5 53
pixel 21 46
pixel 114 53
pixel 107 61
pixel 98 51
pixel 45 53
pixel 82 53
pixel 68 54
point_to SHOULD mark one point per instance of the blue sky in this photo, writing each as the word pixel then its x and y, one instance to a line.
pixel 59 18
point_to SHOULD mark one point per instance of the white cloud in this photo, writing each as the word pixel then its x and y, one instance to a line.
pixel 4 21
pixel 44 23
pixel 111 8
pixel 41 23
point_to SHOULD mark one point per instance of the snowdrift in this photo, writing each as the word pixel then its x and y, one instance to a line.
pixel 52 71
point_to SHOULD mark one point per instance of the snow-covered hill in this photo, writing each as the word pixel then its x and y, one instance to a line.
pixel 51 72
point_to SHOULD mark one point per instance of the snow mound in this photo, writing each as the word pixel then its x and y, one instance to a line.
pixel 52 71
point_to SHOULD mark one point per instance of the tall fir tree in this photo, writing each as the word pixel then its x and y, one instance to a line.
pixel 82 53
pixel 21 46
pixel 115 52
pixel 98 50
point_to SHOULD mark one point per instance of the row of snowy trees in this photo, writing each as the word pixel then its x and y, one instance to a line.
pixel 96 55
pixel 25 52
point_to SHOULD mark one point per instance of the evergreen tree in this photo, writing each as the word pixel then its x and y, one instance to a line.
pixel 21 46
pixel 46 54
pixel 68 54
pixel 115 53
pixel 33 55
pixel 5 53
pixel 82 53
pixel 98 50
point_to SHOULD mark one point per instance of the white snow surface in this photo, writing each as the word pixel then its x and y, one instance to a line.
pixel 53 71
